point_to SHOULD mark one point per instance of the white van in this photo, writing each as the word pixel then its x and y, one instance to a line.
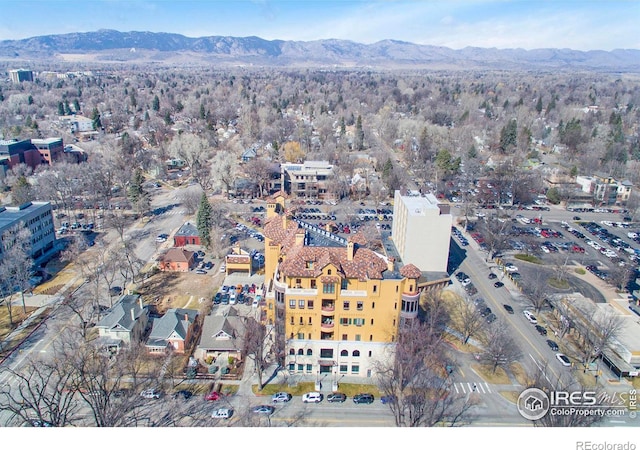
pixel 222 413
pixel 232 297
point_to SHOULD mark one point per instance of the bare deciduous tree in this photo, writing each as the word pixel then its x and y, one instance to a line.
pixel 500 349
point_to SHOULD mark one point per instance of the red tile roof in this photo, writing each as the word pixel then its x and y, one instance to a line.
pixel 177 255
pixel 410 271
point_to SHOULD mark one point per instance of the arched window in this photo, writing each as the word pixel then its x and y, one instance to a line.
pixel 292 351
pixel 355 353
pixel 309 352
pixel 300 351
pixel 344 353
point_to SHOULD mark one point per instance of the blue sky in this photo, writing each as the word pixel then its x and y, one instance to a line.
pixel 576 24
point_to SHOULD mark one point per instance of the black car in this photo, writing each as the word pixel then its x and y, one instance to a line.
pixel 485 312
pixel 498 284
pixel 508 308
pixel 491 318
pixel 492 276
pixel 185 394
pixel 542 330
pixel 363 398
pixel 336 397
pixel 552 345
pixel 217 299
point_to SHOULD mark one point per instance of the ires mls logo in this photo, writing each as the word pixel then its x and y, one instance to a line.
pixel 533 403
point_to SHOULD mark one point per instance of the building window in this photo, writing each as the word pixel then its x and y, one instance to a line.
pixel 298 281
pixel 369 353
pixel 313 283
pixel 301 367
pixel 344 337
pixel 292 351
pixel 355 369
pixel 309 368
pixel 309 352
pixel 292 367
pixel 329 272
pixel 301 304
pixel 309 265
pixel 310 304
pixel 373 305
pixel 300 352
pixel 371 321
pixel 345 305
pixel 291 320
pixel 344 321
pixel 292 304
pixel 359 306
pixel 343 368
pixel 344 284
pixel 344 353
pixel 356 353
pixel 371 337
pixel 310 323
pixel 411 288
pixel 357 337
pixel 301 321
pixel 396 288
pixel 328 288
pixel 326 353
pixel 300 335
pixel 358 322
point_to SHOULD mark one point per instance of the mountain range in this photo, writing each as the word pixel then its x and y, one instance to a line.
pixel 110 46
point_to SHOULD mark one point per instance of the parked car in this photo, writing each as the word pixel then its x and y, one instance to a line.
pixel 280 397
pixel 151 393
pixel 363 398
pixel 263 409
pixel 508 308
pixel 336 397
pixel 552 345
pixel 222 413
pixel 201 271
pixel 492 276
pixel 542 330
pixel 564 360
pixel 212 396
pixel 498 284
pixel 312 397
pixel 530 317
pixel 185 394
pixel 491 318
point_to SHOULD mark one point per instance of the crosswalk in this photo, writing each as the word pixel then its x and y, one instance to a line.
pixel 466 388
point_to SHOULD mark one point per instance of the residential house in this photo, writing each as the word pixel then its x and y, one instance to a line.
pixel 222 335
pixel 238 260
pixel 124 323
pixel 177 260
pixel 187 234
pixel 173 332
pixel 249 154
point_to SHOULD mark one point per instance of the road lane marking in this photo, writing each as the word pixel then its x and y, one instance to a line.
pixel 488 388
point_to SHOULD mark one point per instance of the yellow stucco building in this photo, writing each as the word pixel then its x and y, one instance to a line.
pixel 335 306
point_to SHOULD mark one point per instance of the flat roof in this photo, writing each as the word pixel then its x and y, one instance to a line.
pixel 416 203
pixel 13 214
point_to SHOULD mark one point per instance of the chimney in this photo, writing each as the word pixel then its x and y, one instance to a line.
pixel 350 251
pixel 186 317
pixel 284 221
pixel 133 314
pixel 300 234
pixel 390 266
pixel 140 301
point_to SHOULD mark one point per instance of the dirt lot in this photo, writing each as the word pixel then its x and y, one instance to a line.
pixel 179 290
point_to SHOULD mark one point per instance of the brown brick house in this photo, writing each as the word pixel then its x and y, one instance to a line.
pixel 177 260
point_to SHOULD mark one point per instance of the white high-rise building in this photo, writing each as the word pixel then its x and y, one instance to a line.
pixel 421 230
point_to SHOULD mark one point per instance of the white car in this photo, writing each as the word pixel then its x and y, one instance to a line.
pixel 312 397
pixel 255 303
pixel 563 359
pixel 510 267
pixel 223 268
pixel 222 413
pixel 530 317
pixel 150 393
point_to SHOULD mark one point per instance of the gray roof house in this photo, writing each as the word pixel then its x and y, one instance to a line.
pixel 221 334
pixel 125 322
pixel 173 331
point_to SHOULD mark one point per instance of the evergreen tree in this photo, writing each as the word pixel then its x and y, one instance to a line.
pixel 509 136
pixel 204 220
pixel 203 112
pixel 95 119
pixel 136 193
pixel 30 100
pixel 539 105
pixel 67 108
pixel 156 104
pixel 60 109
pixel 76 105
pixel 359 134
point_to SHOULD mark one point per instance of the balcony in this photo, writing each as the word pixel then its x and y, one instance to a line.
pixel 328 307
pixel 327 325
pixel 326 336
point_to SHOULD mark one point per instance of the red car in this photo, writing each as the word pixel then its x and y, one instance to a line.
pixel 212 396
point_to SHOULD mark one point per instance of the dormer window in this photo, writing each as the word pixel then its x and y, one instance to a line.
pixel 309 265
